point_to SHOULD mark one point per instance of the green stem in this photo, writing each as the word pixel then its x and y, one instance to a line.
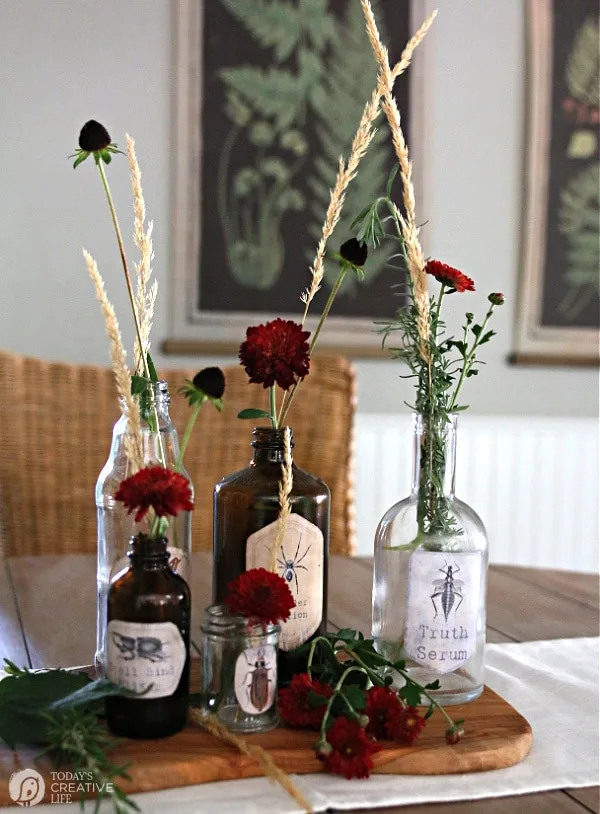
pixel 144 360
pixel 469 360
pixel 437 310
pixel 273 406
pixel 187 434
pixel 332 295
pixel 311 652
pixel 336 692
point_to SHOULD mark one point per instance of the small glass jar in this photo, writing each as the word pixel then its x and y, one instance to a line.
pixel 239 670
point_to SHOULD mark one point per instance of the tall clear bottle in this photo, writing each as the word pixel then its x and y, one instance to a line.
pixel 430 573
pixel 115 525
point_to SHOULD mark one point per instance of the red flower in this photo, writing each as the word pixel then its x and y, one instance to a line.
pixel 454 734
pixel 276 352
pixel 293 702
pixel 262 595
pixel 382 706
pixel 405 725
pixel 166 491
pixel 352 749
pixel 449 276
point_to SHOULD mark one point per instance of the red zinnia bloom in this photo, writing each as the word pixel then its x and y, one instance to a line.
pixel 382 706
pixel 293 702
pixel 405 725
pixel 352 749
pixel 449 276
pixel 165 490
pixel 276 352
pixel 262 595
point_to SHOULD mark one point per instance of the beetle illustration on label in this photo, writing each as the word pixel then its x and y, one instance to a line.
pixel 255 679
pixel 145 657
pixel 441 624
pixel 299 561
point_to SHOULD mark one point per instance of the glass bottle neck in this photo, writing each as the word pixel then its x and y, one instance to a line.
pixel 148 553
pixel 269 445
pixel 434 454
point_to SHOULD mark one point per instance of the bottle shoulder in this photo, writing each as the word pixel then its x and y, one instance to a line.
pixel 134 582
pixel 266 477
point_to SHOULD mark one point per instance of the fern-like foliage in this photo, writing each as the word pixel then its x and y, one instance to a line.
pixel 338 102
pixel 280 24
pixel 580 222
pixel 583 65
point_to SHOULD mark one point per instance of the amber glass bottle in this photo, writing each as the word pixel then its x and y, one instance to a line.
pixel 148 643
pixel 246 506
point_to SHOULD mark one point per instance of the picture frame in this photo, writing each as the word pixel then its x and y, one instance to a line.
pixel 210 311
pixel 558 306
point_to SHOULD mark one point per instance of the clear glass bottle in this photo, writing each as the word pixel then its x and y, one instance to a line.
pixel 239 670
pixel 430 573
pixel 148 643
pixel 246 507
pixel 116 526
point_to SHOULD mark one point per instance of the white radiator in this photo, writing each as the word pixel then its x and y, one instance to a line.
pixel 533 481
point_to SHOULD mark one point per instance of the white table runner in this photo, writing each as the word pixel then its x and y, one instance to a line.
pixel 554 684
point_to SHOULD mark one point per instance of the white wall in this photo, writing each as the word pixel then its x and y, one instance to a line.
pixel 65 61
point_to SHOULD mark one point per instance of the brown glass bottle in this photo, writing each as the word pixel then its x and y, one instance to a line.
pixel 148 643
pixel 246 506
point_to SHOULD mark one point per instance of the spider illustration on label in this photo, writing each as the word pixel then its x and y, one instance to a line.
pixel 288 568
pixel 448 589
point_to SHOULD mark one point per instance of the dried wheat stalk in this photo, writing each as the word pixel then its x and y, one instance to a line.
pixel 285 489
pixel 268 766
pixel 346 172
pixel 118 356
pixel 408 223
pixel 145 294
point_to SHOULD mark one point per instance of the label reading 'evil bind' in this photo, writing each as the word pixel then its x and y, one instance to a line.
pixel 143 654
pixel 443 603
pixel 300 562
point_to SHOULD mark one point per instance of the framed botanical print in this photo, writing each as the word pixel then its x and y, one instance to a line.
pixel 268 97
pixel 558 315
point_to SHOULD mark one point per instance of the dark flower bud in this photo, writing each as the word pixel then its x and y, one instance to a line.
pixel 93 137
pixel 454 734
pixel 363 720
pixel 496 299
pixel 211 381
pixel 354 252
pixel 323 749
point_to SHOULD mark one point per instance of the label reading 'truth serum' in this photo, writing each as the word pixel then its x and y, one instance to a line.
pixel 443 604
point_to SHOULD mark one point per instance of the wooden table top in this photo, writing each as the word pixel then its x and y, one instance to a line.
pixel 48 618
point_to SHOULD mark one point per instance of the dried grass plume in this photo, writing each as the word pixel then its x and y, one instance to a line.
pixel 118 356
pixel 145 297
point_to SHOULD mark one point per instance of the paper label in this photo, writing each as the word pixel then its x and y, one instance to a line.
pixel 443 604
pixel 300 562
pixel 142 654
pixel 179 562
pixel 255 679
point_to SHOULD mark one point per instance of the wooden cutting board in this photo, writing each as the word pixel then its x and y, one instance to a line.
pixel 496 736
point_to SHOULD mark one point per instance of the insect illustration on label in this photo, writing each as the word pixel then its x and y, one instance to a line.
pixel 289 567
pixel 448 589
pixel 144 647
pixel 258 690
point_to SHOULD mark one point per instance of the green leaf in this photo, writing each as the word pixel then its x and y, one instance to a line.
pixel 253 412
pixel 92 692
pixel 355 695
pixel 80 159
pixel 476 329
pixel 138 385
pixel 486 337
pixel 391 179
pixel 314 699
pixel 151 368
pixel 429 712
pixel 433 685
pixel 411 694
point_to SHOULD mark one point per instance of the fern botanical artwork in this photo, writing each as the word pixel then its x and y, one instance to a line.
pixel 270 96
pixel 560 284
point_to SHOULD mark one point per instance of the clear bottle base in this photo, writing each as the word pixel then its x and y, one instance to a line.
pixel 237 721
pixel 456 688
